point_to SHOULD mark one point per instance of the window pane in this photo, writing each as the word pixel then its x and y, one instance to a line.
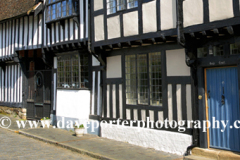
pixel 120 5
pixel 202 52
pixel 235 48
pixel 53 11
pixel 142 79
pixel 130 71
pixel 111 6
pixel 70 7
pixel 76 6
pixel 64 8
pixel 155 78
pixel 218 50
pixel 48 13
pixel 59 10
pixel 132 3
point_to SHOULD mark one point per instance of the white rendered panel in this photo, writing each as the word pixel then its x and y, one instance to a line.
pixel 114 100
pixel 189 101
pixel 149 17
pixel 160 116
pixel 81 19
pixel 128 114
pixel 9 83
pixel 76 30
pixel 25 31
pixel 57 32
pixel 98 28
pixel 113 26
pixel 130 23
pixel 40 29
pixel 220 9
pixel 151 115
pixel 1 40
pixel 45 31
pixel 168 14
pixel 21 33
pixel 86 23
pixel 71 29
pixel 93 91
pixel 170 107
pixel 135 114
pixel 13 36
pixel 6 83
pixel 143 114
pixel 53 30
pixel 4 39
pixel 48 33
pixel 30 35
pixel 61 33
pixel 15 83
pixel 192 12
pixel 3 91
pixel 35 31
pixel 17 34
pixel 114 67
pixel 179 102
pixel 120 101
pixel 12 82
pixel 7 38
pixel 20 84
pixel 66 30
pixel 108 100
pixel 99 94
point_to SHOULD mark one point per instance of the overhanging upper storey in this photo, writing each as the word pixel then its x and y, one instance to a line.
pixel 119 23
pixel 66 24
pixel 207 19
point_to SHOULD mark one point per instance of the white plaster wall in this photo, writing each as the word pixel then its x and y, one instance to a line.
pixel 192 12
pixel 176 65
pixel 149 17
pixel 99 28
pixel 130 23
pixel 220 9
pixel 95 62
pixel 73 104
pixel 98 4
pixel 166 141
pixel 113 25
pixel 114 67
pixel 168 14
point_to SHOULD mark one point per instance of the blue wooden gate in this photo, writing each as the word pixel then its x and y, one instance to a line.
pixel 223 104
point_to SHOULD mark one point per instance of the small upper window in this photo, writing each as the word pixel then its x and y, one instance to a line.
pixel 117 5
pixel 61 9
pixel 218 50
pixel 202 52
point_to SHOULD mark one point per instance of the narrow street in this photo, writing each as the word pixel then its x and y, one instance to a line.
pixel 14 146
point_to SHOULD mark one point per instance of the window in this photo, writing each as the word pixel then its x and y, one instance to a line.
pixel 218 50
pixel 143 79
pixel 57 9
pixel 72 71
pixel 117 5
pixel 235 48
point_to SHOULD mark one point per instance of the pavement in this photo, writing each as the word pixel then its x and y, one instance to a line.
pixel 90 145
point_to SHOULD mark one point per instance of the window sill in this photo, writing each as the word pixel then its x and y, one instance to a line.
pixel 86 89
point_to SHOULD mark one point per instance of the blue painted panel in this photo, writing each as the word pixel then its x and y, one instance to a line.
pixel 223 103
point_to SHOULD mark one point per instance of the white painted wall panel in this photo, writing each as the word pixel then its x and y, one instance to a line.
pixel 170 107
pixel 71 28
pixel 30 33
pixel 149 17
pixel 220 9
pixel 73 104
pixel 120 102
pixel 95 62
pixel 86 23
pixel 175 143
pixel 176 65
pixel 66 30
pixel 98 4
pixel 40 23
pixel 1 40
pixel 113 26
pixel 52 30
pixel 81 19
pixel 25 31
pixel 168 14
pixel 114 67
pixel 130 23
pixel 99 94
pixel 179 102
pixel 17 34
pixel 57 32
pixel 35 30
pixel 108 100
pixel 93 91
pixel 76 31
pixel 99 29
pixel 192 12
pixel 13 36
pixel 189 101
pixel 1 84
pixel 7 39
pixel 114 101
pixel 21 33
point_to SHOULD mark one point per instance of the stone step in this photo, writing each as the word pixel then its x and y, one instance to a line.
pixel 216 154
pixel 193 157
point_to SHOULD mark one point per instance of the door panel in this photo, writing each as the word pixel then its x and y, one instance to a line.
pixel 223 104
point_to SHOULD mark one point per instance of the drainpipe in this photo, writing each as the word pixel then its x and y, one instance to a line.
pixel 190 63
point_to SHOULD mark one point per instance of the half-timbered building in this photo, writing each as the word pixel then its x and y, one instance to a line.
pixel 167 59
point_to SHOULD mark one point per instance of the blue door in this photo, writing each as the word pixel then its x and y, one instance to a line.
pixel 223 104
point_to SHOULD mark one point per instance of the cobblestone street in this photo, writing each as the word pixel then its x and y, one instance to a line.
pixel 14 146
